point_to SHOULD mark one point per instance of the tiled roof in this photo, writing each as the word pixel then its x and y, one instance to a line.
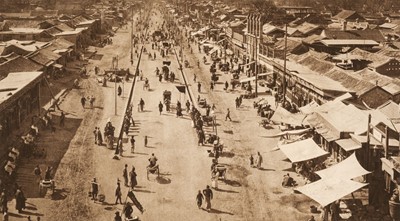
pixel 19 64
pixel 44 57
pixel 344 14
pixel 367 34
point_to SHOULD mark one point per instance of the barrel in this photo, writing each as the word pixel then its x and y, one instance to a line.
pixel 394 210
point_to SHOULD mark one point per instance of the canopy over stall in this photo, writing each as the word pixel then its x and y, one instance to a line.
pixel 290 132
pixel 302 150
pixel 281 115
pixel 326 191
pixel 347 169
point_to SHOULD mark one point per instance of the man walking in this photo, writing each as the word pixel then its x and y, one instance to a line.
pixel 132 144
pixel 125 175
pixel 141 104
pixel 228 115
pixel 83 101
pixel 38 173
pixel 160 107
pixel 199 87
pixel 119 90
pixel 208 194
pixel 199 199
pixel 133 176
pixel 259 160
pixel 118 194
pixel 95 189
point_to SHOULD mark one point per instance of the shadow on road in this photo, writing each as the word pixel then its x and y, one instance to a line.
pixel 59 194
pixel 143 191
pixel 233 183
pixel 226 191
pixel 266 169
pixel 220 212
pixel 227 154
pixel 163 180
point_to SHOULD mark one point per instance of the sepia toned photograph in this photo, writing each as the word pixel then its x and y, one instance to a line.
pixel 200 110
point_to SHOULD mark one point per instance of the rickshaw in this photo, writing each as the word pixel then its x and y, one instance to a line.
pixel 46 184
pixel 202 103
pixel 167 100
pixel 153 170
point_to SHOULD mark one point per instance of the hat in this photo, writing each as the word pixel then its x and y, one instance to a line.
pixel 117 212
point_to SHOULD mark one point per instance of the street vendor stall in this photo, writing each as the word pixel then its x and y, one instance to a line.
pixel 302 150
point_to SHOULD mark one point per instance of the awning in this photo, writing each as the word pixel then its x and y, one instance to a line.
pixel 348 144
pixel 309 108
pixel 57 66
pixel 281 115
pixel 326 191
pixel 290 132
pixel 347 169
pixel 302 150
pixel 265 74
pixel 244 80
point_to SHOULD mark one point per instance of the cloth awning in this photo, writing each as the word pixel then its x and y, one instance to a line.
pixel 281 115
pixel 57 66
pixel 347 169
pixel 265 74
pixel 302 150
pixel 244 80
pixel 348 144
pixel 326 191
pixel 290 132
pixel 309 108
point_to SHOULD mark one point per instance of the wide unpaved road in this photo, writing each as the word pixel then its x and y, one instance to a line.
pixel 247 194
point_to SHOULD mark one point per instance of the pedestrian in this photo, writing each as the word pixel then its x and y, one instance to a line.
pixel 118 194
pixel 198 98
pixel 212 86
pixel 251 160
pixel 160 107
pixel 133 176
pixel 99 137
pixel 187 106
pixel 132 144
pixel 47 175
pixel 95 135
pixel 128 211
pixel 208 194
pixel 3 202
pixel 228 114
pixel 117 217
pixel 62 119
pixel 95 189
pixel 194 77
pixel 83 101
pixel 141 104
pixel 38 173
pixel 334 208
pixel 160 77
pixel 237 102
pixel 20 200
pixel 145 141
pixel 208 111
pixel 154 55
pixel 226 85
pixel 199 87
pixel 199 199
pixel 213 107
pixel 259 160
pixel 119 90
pixel 125 174
pixel 91 100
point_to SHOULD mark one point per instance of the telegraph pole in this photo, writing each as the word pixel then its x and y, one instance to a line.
pixel 284 67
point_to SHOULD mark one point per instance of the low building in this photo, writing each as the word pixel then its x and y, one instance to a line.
pixel 18 64
pixel 24 34
pixel 19 97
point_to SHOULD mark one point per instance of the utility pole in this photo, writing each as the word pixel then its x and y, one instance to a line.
pixel 284 67
pixel 115 69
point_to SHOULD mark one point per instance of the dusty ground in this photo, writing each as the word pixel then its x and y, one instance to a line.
pixel 247 194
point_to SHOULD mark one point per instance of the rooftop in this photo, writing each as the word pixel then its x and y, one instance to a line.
pixel 16 81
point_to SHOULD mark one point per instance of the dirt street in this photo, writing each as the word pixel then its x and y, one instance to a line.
pixel 246 194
